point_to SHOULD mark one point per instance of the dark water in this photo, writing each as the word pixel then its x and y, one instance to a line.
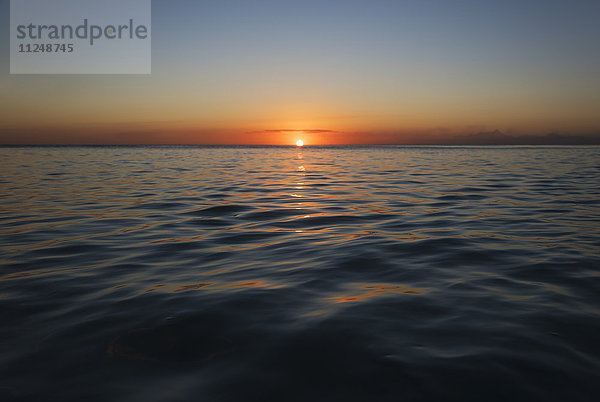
pixel 274 274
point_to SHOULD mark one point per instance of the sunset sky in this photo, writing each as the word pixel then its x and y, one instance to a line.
pixel 329 72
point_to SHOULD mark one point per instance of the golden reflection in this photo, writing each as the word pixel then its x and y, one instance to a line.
pixel 318 313
pixel 237 248
pixel 155 288
pixel 254 284
pixel 176 288
pixel 192 287
pixel 372 290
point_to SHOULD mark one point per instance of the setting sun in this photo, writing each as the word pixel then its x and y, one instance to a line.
pixel 299 143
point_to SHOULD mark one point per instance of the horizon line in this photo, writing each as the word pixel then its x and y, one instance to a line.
pixel 304 146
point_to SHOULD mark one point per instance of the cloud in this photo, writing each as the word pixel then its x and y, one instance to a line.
pixel 288 130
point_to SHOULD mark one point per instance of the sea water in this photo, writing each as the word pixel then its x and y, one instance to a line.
pixel 300 274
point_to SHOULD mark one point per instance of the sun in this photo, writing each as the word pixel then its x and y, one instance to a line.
pixel 299 143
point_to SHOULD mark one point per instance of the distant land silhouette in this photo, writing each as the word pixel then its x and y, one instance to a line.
pixel 496 137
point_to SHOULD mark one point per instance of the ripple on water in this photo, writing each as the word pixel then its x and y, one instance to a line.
pixel 271 273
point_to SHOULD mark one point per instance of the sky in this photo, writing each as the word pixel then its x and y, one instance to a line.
pixel 328 72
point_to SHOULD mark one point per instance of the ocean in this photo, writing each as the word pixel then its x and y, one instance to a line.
pixel 351 273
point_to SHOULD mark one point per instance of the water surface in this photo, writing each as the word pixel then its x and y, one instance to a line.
pixel 315 274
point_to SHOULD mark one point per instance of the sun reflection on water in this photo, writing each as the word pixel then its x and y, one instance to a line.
pixel 372 290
